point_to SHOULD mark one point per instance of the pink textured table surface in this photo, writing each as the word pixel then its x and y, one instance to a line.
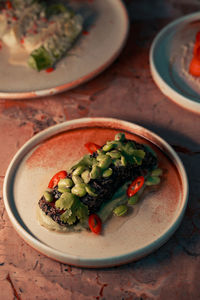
pixel 125 91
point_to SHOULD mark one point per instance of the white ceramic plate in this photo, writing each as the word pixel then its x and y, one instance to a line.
pixel 107 25
pixel 170 55
pixel 123 239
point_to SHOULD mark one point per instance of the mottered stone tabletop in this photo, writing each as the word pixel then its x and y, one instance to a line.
pixel 124 91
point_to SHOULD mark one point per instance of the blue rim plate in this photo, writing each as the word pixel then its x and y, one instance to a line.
pixel 170 55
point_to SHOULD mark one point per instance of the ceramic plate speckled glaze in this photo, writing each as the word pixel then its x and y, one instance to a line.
pixel 106 25
pixel 123 239
pixel 170 56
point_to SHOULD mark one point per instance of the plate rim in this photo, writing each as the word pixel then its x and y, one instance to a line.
pixel 80 80
pixel 74 259
pixel 165 88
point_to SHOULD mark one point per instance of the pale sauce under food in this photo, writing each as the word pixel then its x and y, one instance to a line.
pixel 18 56
pixel 49 224
pixel 104 213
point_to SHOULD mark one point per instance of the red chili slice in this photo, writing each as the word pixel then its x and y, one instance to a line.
pixel 8 4
pixel 92 147
pixel 194 67
pixel 197 43
pixel 95 223
pixel 85 32
pixel 135 186
pixel 196 48
pixel 56 178
pixel 198 36
pixel 49 70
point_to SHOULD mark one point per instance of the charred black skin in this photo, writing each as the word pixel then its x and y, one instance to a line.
pixel 51 211
pixel 105 187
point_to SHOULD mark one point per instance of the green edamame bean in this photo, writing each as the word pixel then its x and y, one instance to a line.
pixel 79 170
pixel 152 180
pixel 86 161
pixel 95 172
pixel 123 161
pixel 86 176
pixel 120 210
pixel 101 157
pixel 117 162
pixel 79 190
pixel 48 196
pixel 100 151
pixel 107 173
pixel 128 149
pixel 133 200
pixel 77 179
pixel 120 136
pixel 108 147
pixel 90 190
pixel 157 172
pixel 65 183
pixel 105 162
pixel 64 190
pixel 115 154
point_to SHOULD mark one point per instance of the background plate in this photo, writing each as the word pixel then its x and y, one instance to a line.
pixel 106 23
pixel 170 55
pixel 123 239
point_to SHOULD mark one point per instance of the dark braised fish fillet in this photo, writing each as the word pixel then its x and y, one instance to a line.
pixel 50 210
pixel 104 187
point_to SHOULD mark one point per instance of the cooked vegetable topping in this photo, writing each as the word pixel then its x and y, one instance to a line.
pixel 92 147
pixel 77 179
pixel 91 191
pixel 107 173
pixel 152 180
pixel 65 201
pixel 40 59
pixel 45 31
pixel 87 161
pixel 79 170
pixel 114 154
pixel 56 9
pixel 135 186
pixel 77 210
pixel 86 176
pixel 48 196
pixel 63 190
pixel 80 193
pixel 120 210
pixel 65 183
pixel 104 162
pixel 79 190
pixel 157 172
pixel 95 223
pixel 120 137
pixel 49 70
pixel 95 172
pixel 56 178
pixel 134 199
